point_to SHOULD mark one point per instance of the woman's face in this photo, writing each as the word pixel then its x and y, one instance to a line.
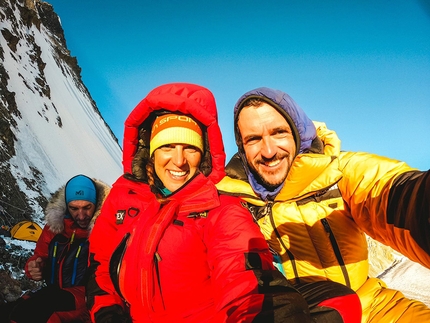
pixel 175 164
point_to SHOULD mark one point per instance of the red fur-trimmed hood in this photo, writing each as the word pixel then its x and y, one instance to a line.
pixel 182 98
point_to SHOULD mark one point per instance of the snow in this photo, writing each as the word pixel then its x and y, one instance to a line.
pixel 28 245
pixel 409 277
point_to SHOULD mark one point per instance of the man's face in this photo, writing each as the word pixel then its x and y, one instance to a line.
pixel 82 212
pixel 268 143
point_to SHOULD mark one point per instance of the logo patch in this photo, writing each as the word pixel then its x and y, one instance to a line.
pixel 120 214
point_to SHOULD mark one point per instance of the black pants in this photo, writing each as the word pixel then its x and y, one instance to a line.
pixel 318 302
pixel 38 306
pixel 330 302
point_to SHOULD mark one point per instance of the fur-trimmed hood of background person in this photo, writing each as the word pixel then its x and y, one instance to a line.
pixel 56 210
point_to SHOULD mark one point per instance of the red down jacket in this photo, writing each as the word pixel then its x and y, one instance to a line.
pixel 78 291
pixel 60 227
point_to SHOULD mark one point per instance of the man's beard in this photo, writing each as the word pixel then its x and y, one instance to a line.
pixel 83 224
pixel 261 178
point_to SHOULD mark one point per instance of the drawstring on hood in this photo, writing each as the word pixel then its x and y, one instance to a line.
pixel 304 131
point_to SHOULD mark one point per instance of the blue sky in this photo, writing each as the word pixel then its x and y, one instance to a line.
pixel 362 67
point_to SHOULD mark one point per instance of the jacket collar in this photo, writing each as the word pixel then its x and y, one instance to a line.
pixel 308 173
pixel 198 195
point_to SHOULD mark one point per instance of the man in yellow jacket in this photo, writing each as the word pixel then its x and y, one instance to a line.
pixel 314 203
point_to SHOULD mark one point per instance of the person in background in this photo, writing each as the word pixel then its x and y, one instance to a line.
pixel 314 202
pixel 60 258
pixel 166 246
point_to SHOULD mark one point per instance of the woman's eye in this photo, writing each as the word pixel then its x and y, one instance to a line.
pixel 167 147
pixel 190 149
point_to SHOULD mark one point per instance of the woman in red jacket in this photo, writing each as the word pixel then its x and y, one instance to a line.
pixel 166 246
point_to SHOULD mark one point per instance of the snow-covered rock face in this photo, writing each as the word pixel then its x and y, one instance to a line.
pixel 50 128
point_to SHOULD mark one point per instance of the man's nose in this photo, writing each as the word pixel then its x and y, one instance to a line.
pixel 82 214
pixel 268 148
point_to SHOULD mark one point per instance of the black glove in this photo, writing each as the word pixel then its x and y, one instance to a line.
pixel 112 314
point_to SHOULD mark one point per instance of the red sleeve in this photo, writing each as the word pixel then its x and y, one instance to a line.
pixel 42 247
pixel 105 237
pixel 103 240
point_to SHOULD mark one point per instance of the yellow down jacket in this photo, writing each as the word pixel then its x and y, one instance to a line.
pixel 316 223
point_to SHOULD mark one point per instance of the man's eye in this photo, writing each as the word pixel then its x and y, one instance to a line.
pixel 251 140
pixel 282 134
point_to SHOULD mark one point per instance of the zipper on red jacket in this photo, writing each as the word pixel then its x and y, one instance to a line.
pixel 59 264
pixel 268 210
pixel 62 258
pixel 157 259
pixel 336 250
pixel 115 263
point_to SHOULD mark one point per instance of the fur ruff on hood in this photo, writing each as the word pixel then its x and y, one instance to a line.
pixel 56 209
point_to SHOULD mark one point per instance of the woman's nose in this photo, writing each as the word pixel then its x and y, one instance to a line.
pixel 178 156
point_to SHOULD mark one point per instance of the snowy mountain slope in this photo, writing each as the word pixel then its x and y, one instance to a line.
pixel 56 127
